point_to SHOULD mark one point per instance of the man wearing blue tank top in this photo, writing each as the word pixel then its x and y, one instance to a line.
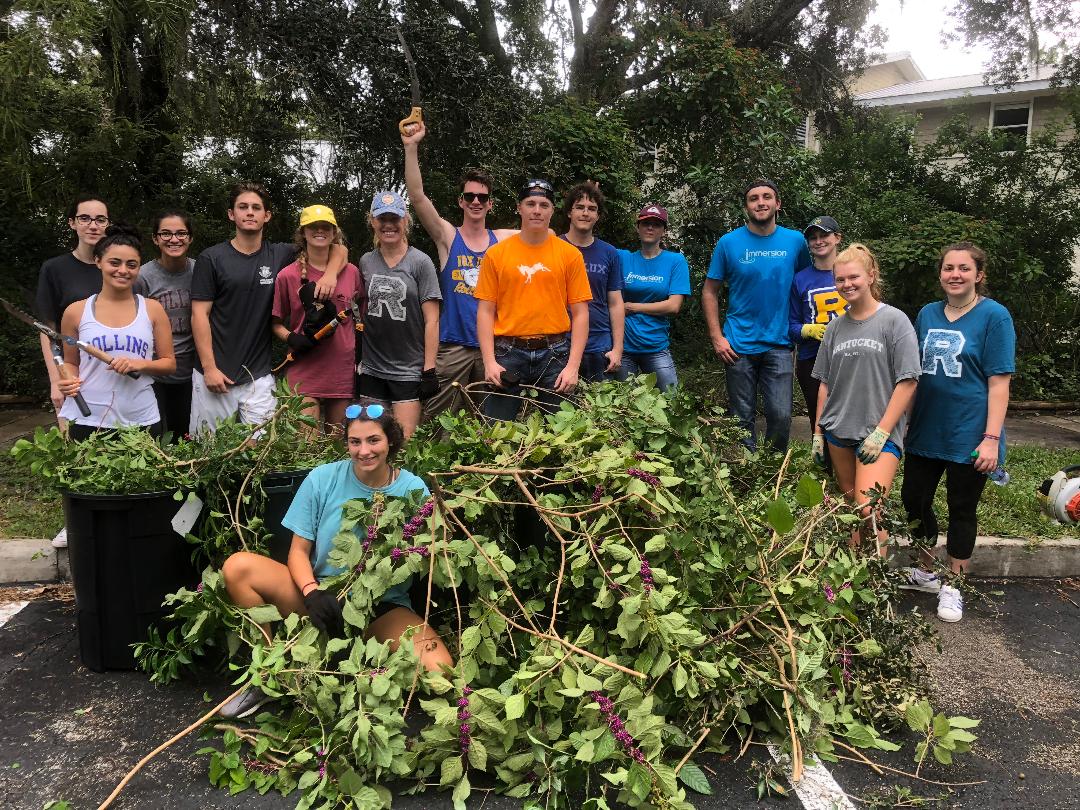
pixel 758 262
pixel 460 251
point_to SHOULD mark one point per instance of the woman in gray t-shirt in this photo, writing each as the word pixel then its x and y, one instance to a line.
pixel 401 324
pixel 868 366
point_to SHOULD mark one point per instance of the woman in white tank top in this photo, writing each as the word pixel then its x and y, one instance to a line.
pixel 132 329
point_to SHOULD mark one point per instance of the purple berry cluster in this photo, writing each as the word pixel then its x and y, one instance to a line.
pixel 845 664
pixel 199 589
pixel 416 522
pixel 598 493
pixel 464 737
pixel 646 575
pixel 372 536
pixel 397 553
pixel 622 736
pixel 830 594
pixel 641 475
pixel 259 766
pixel 321 754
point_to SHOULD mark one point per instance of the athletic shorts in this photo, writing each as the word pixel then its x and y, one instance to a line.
pixel 251 402
pixel 890 445
pixel 387 390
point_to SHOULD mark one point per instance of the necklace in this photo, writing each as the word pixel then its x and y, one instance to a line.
pixel 965 306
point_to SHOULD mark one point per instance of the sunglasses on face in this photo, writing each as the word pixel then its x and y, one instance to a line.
pixel 168 236
pixel 472 196
pixel 372 411
pixel 86 219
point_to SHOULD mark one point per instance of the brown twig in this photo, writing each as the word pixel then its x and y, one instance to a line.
pixel 562 548
pixel 701 738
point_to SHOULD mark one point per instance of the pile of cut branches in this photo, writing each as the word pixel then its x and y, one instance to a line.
pixel 622 591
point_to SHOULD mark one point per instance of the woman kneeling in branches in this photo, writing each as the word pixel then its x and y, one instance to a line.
pixel 373 438
pixel 868 367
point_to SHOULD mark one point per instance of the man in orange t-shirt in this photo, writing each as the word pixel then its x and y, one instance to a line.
pixel 527 284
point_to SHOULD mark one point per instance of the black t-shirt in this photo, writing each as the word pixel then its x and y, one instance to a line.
pixel 63 280
pixel 241 288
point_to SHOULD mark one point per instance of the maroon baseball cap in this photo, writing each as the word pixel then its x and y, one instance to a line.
pixel 653 211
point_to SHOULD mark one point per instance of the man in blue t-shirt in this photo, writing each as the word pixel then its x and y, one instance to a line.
pixel 460 251
pixel 584 205
pixel 758 262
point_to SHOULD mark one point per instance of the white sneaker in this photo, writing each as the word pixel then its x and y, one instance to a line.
pixel 919 580
pixel 60 541
pixel 950 604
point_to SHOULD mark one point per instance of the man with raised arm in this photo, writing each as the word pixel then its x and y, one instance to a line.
pixel 460 251
pixel 757 262
pixel 528 283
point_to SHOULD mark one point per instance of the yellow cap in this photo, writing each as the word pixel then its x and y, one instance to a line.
pixel 317 213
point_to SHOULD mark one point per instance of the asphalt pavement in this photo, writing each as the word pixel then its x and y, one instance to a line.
pixel 1014 663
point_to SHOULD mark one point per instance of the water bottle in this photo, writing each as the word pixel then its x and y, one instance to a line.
pixel 999 475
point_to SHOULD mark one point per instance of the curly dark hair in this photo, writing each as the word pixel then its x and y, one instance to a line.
pixel 118 234
pixel 395 435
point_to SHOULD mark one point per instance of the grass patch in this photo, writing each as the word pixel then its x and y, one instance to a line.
pixel 1014 509
pixel 26 508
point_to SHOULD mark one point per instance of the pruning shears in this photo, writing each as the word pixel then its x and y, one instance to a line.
pixel 326 331
pixel 56 337
pixel 58 359
pixel 416 116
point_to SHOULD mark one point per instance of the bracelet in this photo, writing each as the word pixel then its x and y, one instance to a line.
pixel 991 436
pixel 314 582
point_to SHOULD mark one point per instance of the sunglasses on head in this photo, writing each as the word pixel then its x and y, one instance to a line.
pixel 472 196
pixel 372 411
pixel 543 185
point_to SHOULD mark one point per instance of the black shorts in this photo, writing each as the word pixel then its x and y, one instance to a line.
pixel 387 390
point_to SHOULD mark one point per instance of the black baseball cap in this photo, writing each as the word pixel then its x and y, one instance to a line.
pixel 827 224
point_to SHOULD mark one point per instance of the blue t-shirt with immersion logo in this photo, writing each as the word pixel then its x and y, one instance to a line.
pixel 958 358
pixel 605 276
pixel 647 281
pixel 758 271
pixel 457 323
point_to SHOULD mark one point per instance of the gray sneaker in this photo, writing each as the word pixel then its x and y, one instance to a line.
pixel 60 541
pixel 915 579
pixel 244 704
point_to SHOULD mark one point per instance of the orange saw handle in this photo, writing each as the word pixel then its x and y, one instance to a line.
pixel 414 117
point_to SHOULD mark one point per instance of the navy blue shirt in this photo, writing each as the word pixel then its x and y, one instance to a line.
pixel 814 299
pixel 605 276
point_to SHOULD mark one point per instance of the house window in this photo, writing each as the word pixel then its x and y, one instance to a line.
pixel 1013 121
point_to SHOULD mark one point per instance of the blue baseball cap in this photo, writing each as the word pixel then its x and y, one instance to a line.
pixel 387 202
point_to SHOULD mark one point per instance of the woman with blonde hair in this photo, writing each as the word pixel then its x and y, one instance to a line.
pixel 322 371
pixel 867 368
pixel 401 326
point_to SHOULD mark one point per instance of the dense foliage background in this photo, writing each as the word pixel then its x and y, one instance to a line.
pixel 150 103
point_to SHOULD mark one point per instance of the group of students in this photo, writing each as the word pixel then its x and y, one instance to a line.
pixel 515 308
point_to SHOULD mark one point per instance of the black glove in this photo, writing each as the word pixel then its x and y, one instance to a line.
pixel 300 343
pixel 317 314
pixel 325 612
pixel 429 384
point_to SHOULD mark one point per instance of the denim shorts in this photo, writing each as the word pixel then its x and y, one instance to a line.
pixel 890 445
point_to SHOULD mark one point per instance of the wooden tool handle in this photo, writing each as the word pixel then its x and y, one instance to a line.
pixel 414 117
pixel 94 351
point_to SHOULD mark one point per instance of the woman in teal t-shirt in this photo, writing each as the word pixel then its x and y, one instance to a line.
pixel 968 347
pixel 655 282
pixel 373 438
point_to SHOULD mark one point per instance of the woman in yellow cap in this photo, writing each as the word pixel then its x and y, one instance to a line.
pixel 321 370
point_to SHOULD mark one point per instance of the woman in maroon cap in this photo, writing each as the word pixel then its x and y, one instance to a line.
pixel 655 282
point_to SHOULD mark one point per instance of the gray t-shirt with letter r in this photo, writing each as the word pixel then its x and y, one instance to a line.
pixel 394 321
pixel 861 362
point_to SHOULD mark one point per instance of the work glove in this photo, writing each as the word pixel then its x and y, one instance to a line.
pixel 813 331
pixel 317 314
pixel 299 343
pixel 870 448
pixel 429 384
pixel 325 612
pixel 817 449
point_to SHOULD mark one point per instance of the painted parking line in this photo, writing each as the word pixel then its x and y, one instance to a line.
pixel 817 790
pixel 9 610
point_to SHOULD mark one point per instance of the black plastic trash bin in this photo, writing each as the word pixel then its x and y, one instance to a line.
pixel 280 489
pixel 125 559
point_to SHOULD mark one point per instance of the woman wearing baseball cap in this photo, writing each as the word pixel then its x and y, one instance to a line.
pixel 321 368
pixel 401 325
pixel 655 282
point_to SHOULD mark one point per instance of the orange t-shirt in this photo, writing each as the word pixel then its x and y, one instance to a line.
pixel 532 285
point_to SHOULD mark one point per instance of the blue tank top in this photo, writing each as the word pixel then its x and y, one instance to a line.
pixel 457 324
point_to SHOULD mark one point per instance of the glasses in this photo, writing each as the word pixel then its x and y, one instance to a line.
pixel 473 196
pixel 372 411
pixel 86 219
pixel 543 185
pixel 168 236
